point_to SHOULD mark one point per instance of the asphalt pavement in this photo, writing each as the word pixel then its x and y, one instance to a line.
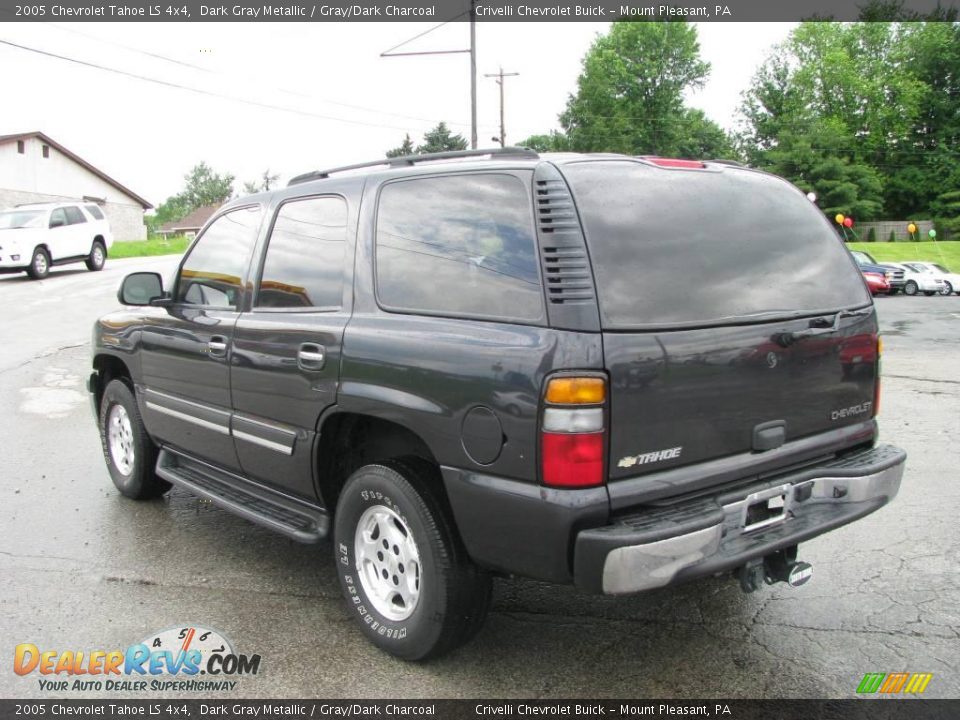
pixel 82 568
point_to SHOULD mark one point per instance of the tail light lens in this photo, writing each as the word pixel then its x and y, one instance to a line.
pixel 573 437
pixel 876 385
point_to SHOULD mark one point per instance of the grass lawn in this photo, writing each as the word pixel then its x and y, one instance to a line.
pixel 153 246
pixel 944 253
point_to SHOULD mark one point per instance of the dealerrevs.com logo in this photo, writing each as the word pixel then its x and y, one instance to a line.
pixel 184 659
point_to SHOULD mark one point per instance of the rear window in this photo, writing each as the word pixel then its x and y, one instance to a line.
pixel 704 247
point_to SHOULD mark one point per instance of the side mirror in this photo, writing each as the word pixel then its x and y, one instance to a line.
pixel 141 288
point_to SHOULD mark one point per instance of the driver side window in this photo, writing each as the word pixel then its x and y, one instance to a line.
pixel 213 272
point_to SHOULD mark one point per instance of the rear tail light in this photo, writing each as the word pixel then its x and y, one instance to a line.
pixel 876 385
pixel 573 437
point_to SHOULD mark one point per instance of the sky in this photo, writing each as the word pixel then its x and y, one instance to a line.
pixel 318 94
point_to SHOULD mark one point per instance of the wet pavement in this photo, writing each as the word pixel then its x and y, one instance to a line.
pixel 84 569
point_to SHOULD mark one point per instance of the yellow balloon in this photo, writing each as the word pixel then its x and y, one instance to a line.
pixel 839 218
pixel 911 228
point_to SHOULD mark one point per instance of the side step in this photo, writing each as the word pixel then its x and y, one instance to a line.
pixel 281 513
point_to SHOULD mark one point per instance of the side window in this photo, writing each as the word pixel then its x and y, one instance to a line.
pixel 304 263
pixel 58 218
pixel 95 212
pixel 213 271
pixel 458 245
pixel 74 216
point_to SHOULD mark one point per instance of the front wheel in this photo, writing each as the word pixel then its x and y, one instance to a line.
pixel 911 288
pixel 97 257
pixel 39 264
pixel 404 572
pixel 130 454
pixel 947 289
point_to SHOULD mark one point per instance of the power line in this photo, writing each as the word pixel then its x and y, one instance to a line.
pixel 199 91
pixel 296 93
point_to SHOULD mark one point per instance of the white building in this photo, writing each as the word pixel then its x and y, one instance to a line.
pixel 34 168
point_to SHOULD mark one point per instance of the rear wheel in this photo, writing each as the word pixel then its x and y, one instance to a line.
pixel 404 572
pixel 911 287
pixel 130 454
pixel 97 257
pixel 39 264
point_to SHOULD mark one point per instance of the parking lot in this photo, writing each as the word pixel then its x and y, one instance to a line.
pixel 84 568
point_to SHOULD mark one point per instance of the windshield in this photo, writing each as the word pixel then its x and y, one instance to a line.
pixel 694 248
pixel 862 258
pixel 13 219
pixel 941 268
pixel 917 268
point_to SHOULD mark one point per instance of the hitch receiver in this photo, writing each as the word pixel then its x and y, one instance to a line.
pixel 781 566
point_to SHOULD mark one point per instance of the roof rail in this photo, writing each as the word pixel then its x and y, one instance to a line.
pixel 409 160
pixel 734 163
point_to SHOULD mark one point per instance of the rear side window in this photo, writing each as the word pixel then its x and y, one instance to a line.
pixel 74 216
pixel 58 218
pixel 689 248
pixel 94 211
pixel 213 272
pixel 304 263
pixel 459 245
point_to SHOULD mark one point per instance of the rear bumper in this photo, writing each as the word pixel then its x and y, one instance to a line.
pixel 662 546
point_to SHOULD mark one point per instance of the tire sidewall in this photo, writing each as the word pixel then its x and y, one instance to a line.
pixel 33 266
pixel 118 393
pixel 413 637
pixel 93 264
pixel 911 288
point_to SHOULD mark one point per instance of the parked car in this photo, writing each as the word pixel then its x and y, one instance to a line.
pixel 34 238
pixel 918 279
pixel 891 271
pixel 479 362
pixel 951 281
pixel 877 282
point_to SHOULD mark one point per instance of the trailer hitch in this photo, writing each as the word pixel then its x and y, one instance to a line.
pixel 780 566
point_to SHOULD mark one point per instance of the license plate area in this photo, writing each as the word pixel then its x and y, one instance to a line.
pixel 766 508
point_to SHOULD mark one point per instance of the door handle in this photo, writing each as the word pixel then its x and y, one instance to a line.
pixel 217 345
pixel 311 356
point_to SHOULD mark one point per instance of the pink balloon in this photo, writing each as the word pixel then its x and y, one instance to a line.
pixel 848 222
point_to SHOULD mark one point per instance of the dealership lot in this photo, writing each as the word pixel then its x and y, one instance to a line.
pixel 85 569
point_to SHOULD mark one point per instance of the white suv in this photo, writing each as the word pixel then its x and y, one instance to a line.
pixel 36 237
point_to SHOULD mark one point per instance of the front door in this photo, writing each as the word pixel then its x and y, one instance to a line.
pixel 186 347
pixel 286 350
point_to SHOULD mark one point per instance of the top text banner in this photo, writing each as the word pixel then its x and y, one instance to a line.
pixel 460 10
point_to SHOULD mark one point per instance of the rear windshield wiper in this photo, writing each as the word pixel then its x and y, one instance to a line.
pixel 786 339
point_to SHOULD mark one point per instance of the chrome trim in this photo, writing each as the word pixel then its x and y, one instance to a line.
pixel 222 429
pixel 286 450
pixel 633 568
pixel 265 424
pixel 201 406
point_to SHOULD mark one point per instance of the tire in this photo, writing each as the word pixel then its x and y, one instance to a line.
pixel 947 289
pixel 39 264
pixel 130 455
pixel 433 597
pixel 910 288
pixel 97 257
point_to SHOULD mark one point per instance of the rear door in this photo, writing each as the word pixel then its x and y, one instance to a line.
pixel 186 348
pixel 59 239
pixel 286 349
pixel 733 319
pixel 80 237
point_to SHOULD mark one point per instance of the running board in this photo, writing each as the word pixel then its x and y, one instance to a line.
pixel 281 513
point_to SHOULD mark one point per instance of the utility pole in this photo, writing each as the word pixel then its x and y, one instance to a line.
pixel 500 76
pixel 473 74
pixel 473 60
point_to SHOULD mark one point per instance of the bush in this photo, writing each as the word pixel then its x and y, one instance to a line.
pixel 872 235
pixel 893 237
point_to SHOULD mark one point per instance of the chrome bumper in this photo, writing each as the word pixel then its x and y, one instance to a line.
pixel 813 502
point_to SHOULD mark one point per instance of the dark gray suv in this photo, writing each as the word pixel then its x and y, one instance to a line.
pixel 611 371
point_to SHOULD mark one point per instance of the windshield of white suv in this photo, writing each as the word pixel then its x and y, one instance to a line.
pixel 13 219
pixel 941 268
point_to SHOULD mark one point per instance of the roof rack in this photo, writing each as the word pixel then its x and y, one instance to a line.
pixel 734 163
pixel 409 160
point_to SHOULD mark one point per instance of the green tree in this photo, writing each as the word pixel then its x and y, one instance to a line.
pixel 267 182
pixel 629 95
pixel 405 148
pixel 440 139
pixel 947 209
pixel 552 142
pixel 205 187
